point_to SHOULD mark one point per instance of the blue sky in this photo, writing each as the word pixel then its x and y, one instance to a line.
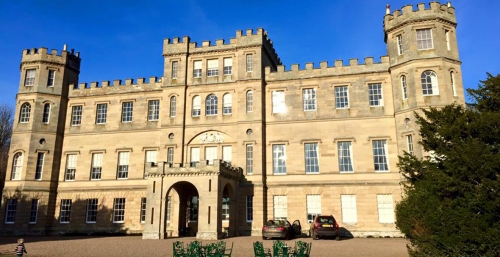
pixel 123 39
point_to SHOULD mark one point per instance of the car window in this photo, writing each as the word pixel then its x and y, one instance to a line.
pixel 329 220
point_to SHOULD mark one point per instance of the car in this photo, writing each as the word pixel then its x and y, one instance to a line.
pixel 281 229
pixel 324 226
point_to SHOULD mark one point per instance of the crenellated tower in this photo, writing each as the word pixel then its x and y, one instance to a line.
pixel 35 151
pixel 424 63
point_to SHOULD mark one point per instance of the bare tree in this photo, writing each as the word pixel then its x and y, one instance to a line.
pixel 6 120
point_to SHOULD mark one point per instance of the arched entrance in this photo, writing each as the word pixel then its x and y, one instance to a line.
pixel 229 211
pixel 181 209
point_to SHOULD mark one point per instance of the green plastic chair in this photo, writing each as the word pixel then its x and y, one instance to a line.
pixel 228 251
pixel 302 249
pixel 194 249
pixel 260 251
pixel 212 250
pixel 280 249
pixel 178 249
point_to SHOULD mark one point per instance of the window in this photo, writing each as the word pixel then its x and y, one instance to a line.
pixel 447 35
pixel 313 207
pixel 349 212
pixel 70 167
pixel 227 104
pixel 309 99
pixel 127 109
pixel 385 209
pixel 380 155
pixel 249 208
pixel 227 153
pixel 424 39
pixel 30 77
pixel 341 97
pixel 249 63
pixel 173 106
pixel 39 166
pixel 33 211
pixel 409 143
pixel 175 69
pixel 197 69
pixel 151 156
pixel 169 209
pixel 17 166
pixel 119 210
pixel 65 212
pixel 399 39
pixel 225 208
pixel 153 110
pixel 195 155
pixel 404 89
pixel 429 83
pixel 92 206
pixel 210 154
pixel 249 159
pixel 249 101
pixel 196 106
pixel 311 157
pixel 453 88
pixel 170 155
pixel 101 114
pixel 228 66
pixel 211 105
pixel 10 211
pixel 279 102
pixel 280 207
pixel 212 68
pixel 345 157
pixel 46 113
pixel 24 116
pixel 279 159
pixel 143 209
pixel 76 115
pixel 96 172
pixel 193 211
pixel 51 78
pixel 123 161
pixel 375 94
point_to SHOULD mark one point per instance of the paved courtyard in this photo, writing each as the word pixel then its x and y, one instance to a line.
pixel 121 246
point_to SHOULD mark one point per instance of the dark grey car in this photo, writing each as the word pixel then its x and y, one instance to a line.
pixel 281 229
pixel 324 226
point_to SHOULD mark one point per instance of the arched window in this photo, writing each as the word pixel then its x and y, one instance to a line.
pixel 17 166
pixel 429 83
pixel 24 116
pixel 250 101
pixel 46 113
pixel 173 101
pixel 227 104
pixel 452 78
pixel 196 106
pixel 404 88
pixel 211 105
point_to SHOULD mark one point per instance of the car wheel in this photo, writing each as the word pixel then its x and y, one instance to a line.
pixel 264 238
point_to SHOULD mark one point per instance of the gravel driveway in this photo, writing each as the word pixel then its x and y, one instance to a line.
pixel 120 246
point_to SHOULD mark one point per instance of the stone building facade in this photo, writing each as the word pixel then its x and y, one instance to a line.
pixel 226 138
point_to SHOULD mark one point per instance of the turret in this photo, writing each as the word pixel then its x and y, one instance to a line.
pixel 424 62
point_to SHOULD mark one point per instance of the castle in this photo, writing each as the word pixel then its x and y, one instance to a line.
pixel 226 138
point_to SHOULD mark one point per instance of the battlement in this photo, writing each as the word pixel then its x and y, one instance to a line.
pixel 42 54
pixel 251 38
pixel 324 70
pixel 409 14
pixel 116 86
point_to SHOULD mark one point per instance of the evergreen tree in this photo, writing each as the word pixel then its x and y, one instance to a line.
pixel 452 201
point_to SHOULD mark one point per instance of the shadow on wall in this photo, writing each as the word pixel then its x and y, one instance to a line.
pixel 82 217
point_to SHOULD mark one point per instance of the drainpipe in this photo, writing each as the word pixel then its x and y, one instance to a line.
pixel 161 224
